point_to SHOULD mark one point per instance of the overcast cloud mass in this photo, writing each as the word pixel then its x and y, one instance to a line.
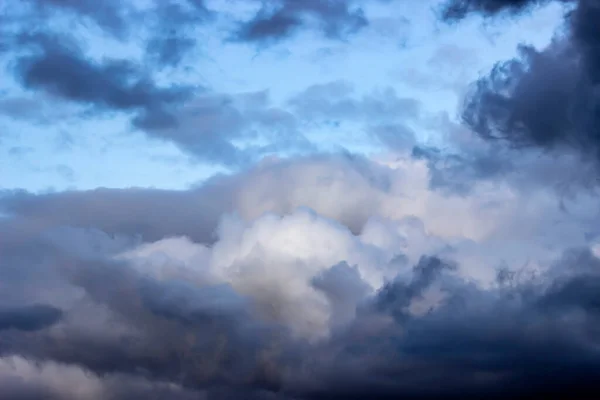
pixel 299 199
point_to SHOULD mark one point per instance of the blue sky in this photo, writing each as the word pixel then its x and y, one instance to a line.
pixel 405 48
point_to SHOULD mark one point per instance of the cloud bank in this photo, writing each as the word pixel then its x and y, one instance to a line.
pixel 319 278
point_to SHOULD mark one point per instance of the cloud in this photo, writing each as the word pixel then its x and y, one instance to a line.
pixel 29 318
pixel 315 278
pixel 382 114
pixel 61 68
pixel 545 98
pixel 166 26
pixel 214 127
pixel 173 24
pixel 457 9
pixel 334 100
pixel 279 19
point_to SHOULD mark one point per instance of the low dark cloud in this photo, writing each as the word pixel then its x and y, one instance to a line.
pixel 279 19
pixel 546 98
pixel 529 338
pixel 29 318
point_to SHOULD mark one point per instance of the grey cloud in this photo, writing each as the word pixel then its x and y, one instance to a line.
pixel 170 23
pixel 110 15
pixel 495 343
pixel 206 340
pixel 150 212
pixel 395 297
pixel 143 339
pixel 208 126
pixel 29 318
pixel 544 98
pixel 344 288
pixel 458 9
pixel 279 19
pixel 458 172
pixel 173 24
pixel 61 68
pixel 337 101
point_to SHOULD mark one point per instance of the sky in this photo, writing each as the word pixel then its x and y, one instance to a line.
pixel 299 199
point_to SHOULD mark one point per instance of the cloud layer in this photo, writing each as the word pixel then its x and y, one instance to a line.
pixel 324 277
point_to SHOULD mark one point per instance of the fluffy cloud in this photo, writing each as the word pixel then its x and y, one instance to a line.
pixel 322 277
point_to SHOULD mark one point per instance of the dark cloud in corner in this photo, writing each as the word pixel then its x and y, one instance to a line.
pixel 547 98
pixel 279 19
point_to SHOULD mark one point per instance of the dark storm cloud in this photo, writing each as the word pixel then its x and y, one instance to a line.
pixel 29 318
pixel 497 343
pixel 279 19
pixel 547 98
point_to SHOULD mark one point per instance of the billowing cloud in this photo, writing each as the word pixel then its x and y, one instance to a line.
pixel 323 277
pixel 546 98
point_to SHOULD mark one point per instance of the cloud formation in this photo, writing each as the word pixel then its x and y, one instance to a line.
pixel 546 98
pixel 279 19
pixel 58 66
pixel 280 293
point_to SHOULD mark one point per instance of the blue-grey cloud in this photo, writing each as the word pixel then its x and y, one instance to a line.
pixel 29 318
pixel 58 66
pixel 279 19
pixel 546 98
